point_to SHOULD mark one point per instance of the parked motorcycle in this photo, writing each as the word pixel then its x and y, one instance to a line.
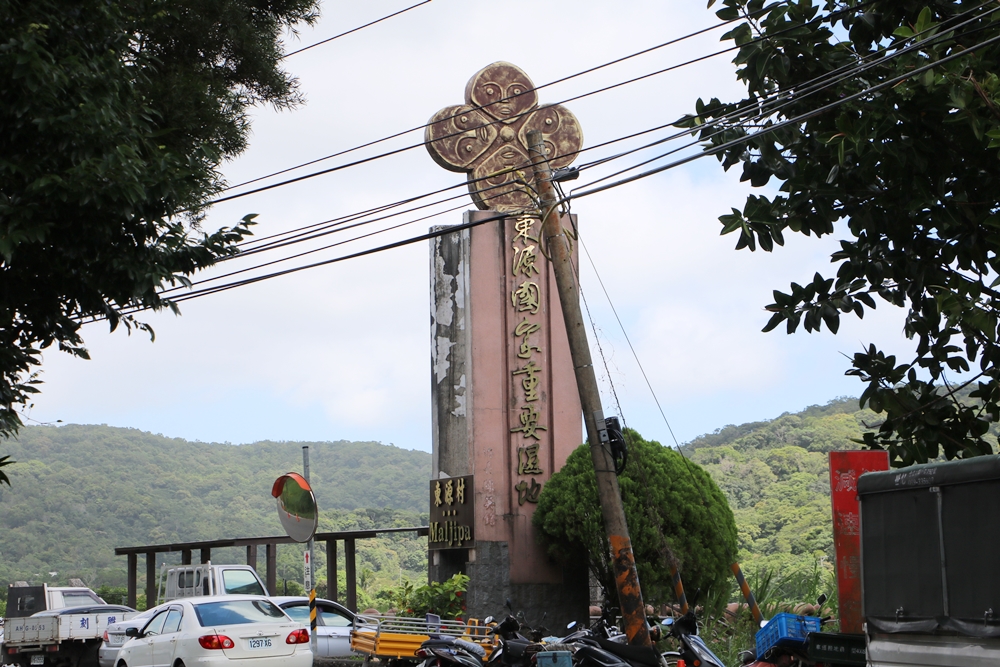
pixel 446 651
pixel 693 649
pixel 604 645
pixel 515 649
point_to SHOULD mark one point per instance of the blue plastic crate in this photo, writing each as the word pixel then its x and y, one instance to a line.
pixel 786 630
pixel 554 659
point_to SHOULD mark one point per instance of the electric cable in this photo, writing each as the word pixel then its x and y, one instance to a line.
pixel 801 91
pixel 569 99
pixel 340 243
pixel 777 94
pixel 670 42
pixel 336 222
pixel 791 121
pixel 353 30
pixel 738 141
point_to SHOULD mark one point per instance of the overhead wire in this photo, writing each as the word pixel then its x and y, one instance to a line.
pixel 511 97
pixel 791 96
pixel 298 233
pixel 350 240
pixel 785 123
pixel 572 196
pixel 582 167
pixel 353 30
pixel 616 61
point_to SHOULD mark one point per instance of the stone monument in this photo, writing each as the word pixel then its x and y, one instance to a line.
pixel 506 409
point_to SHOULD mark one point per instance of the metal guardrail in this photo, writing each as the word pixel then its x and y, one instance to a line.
pixel 400 637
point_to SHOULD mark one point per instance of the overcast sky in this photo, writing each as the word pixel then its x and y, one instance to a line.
pixel 343 351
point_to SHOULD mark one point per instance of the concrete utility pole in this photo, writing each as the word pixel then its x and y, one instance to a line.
pixel 626 577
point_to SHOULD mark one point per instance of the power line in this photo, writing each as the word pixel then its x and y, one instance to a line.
pixel 796 94
pixel 298 233
pixel 526 92
pixel 505 99
pixel 713 150
pixel 791 121
pixel 339 243
pixel 352 30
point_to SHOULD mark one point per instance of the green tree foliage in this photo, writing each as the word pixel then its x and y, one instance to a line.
pixel 81 491
pixel 444 598
pixel 776 477
pixel 908 170
pixel 114 119
pixel 660 490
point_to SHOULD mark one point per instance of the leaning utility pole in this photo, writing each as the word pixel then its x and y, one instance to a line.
pixel 626 577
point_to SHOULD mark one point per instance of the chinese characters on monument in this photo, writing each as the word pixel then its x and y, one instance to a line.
pixel 452 515
pixel 528 431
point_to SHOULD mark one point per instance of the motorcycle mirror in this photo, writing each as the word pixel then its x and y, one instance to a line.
pixel 821 599
pixel 571 625
pixel 764 622
pixel 667 621
pixel 509 606
pixel 488 620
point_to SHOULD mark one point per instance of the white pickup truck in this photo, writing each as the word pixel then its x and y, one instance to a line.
pixel 207 579
pixel 58 626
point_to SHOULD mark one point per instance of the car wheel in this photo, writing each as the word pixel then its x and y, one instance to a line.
pixel 179 663
pixel 121 663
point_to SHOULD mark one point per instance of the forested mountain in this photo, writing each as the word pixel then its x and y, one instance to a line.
pixel 77 492
pixel 775 475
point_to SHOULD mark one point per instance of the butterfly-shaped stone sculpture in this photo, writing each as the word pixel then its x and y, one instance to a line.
pixel 487 136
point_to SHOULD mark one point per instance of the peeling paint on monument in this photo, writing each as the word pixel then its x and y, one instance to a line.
pixel 449 362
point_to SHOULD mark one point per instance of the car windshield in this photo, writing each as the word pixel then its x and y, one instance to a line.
pixel 237 612
pixel 299 613
pixel 241 582
pixel 79 598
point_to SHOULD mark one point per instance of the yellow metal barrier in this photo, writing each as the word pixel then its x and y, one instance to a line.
pixel 399 638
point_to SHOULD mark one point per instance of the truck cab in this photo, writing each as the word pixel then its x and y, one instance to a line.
pixel 186 581
pixel 23 601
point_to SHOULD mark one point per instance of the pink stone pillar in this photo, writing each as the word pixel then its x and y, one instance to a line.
pixel 506 410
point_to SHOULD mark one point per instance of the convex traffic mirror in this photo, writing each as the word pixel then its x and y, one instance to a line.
pixel 297 509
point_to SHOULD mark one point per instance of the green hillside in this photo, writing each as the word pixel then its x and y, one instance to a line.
pixel 79 491
pixel 775 475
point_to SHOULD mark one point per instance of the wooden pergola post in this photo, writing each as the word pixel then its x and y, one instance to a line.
pixel 350 566
pixel 272 568
pixel 252 555
pixel 151 580
pixel 133 565
pixel 331 570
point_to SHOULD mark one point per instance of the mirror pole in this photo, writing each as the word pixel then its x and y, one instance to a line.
pixel 310 576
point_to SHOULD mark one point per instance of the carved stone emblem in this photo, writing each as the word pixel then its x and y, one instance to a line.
pixel 487 136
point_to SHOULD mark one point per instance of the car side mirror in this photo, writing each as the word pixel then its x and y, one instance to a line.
pixel 133 632
pixel 571 625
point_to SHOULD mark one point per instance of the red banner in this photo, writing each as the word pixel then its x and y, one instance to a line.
pixel 845 468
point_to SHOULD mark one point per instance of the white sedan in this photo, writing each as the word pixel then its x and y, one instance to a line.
pixel 218 631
